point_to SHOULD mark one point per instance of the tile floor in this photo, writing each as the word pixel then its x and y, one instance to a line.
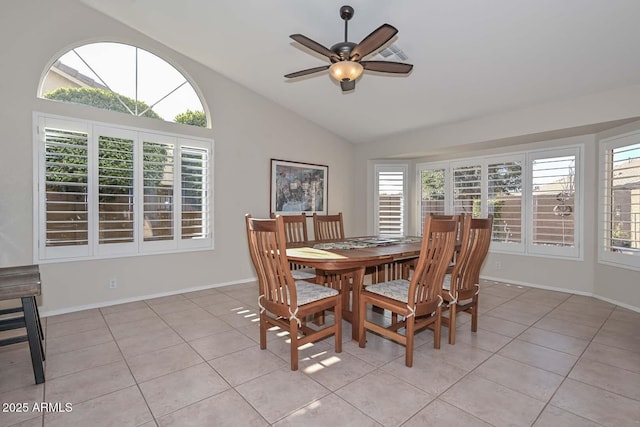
pixel 540 358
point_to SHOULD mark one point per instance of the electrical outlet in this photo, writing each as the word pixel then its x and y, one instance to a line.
pixel 113 283
pixel 498 265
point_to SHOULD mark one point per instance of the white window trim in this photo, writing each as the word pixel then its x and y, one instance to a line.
pixel 42 254
pixel 615 259
pixel 527 157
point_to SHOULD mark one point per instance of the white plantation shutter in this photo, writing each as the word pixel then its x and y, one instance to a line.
pixel 158 176
pixel 195 192
pixel 64 207
pixel 553 204
pixel 467 190
pixel 432 184
pixel 390 199
pixel 620 201
pixel 505 201
pixel 116 213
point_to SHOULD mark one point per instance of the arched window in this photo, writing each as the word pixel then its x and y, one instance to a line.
pixel 125 78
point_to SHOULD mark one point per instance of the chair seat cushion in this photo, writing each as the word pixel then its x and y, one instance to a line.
pixel 394 289
pixel 310 292
pixel 304 273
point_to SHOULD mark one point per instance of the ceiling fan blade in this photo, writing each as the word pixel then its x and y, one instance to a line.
pixel 348 85
pixel 387 67
pixel 307 71
pixel 373 41
pixel 315 46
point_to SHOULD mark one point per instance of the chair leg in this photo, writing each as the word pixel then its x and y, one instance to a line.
pixel 474 314
pixel 293 328
pixel 452 322
pixel 437 328
pixel 410 332
pixel 263 331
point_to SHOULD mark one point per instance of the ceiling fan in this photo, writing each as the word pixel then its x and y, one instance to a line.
pixel 346 57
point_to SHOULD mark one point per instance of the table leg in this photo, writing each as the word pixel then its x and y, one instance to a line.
pixel 358 283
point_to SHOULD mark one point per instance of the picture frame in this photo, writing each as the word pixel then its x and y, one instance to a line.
pixel 298 187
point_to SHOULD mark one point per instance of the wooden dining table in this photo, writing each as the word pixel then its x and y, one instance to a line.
pixel 354 255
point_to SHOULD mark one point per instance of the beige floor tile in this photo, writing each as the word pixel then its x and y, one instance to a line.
pixel 335 370
pixel 74 316
pixel 61 364
pixel 500 326
pixel 144 326
pixel 32 422
pixel 161 362
pixel 130 316
pixel 555 341
pixel 71 342
pixel 614 339
pixel 378 350
pixel 514 315
pixel 461 355
pixel 328 411
pixel 533 382
pixel 226 409
pixel 172 306
pixel 493 403
pixel 121 308
pixel 385 398
pixel 16 370
pixel 201 293
pixel 89 384
pixel 433 375
pixel 23 399
pixel 281 392
pixel 596 404
pixel 247 364
pixel 221 343
pixel 147 342
pixel 174 391
pixel 483 339
pixel 73 326
pixel 229 306
pixel 538 356
pixel 553 416
pixel 169 299
pixel 201 328
pixel 211 299
pixel 615 380
pixel 439 413
pixel 564 327
pixel 187 316
pixel 613 356
pixel 120 408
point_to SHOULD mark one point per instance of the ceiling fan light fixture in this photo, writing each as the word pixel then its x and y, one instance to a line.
pixel 345 70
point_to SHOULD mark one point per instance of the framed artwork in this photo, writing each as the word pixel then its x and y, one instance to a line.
pixel 298 188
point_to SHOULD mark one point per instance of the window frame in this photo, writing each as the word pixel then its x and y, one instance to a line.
pixel 525 247
pixel 616 259
pixel 93 249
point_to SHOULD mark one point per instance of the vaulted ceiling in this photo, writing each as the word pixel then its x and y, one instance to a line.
pixel 471 58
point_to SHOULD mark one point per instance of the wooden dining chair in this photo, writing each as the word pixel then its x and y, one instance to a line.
pixel 461 287
pixel 418 300
pixel 295 231
pixel 328 227
pixel 283 301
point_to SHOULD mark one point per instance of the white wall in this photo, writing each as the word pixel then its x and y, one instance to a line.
pixel 248 130
pixel 560 123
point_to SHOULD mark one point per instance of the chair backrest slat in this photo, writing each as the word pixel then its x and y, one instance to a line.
pixel 475 241
pixel 267 246
pixel 438 242
pixel 328 227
